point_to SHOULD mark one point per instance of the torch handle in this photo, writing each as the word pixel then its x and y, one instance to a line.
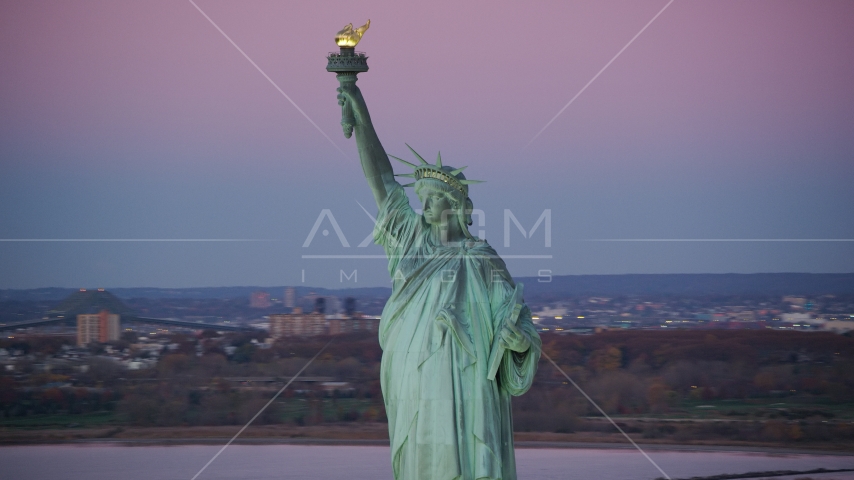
pixel 347 80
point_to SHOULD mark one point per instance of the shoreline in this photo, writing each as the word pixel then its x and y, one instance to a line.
pixel 373 434
pixel 665 447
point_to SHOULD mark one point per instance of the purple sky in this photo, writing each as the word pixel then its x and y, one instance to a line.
pixel 139 120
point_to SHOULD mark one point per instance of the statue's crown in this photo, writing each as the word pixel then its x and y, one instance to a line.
pixel 451 176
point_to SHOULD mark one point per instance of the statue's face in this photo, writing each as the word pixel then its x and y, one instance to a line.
pixel 436 206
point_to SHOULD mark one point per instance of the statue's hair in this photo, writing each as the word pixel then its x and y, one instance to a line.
pixel 438 185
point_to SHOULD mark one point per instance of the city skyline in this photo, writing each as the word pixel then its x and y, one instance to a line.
pixel 720 125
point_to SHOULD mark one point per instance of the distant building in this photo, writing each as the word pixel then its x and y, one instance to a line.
pixel 259 300
pixel 338 324
pixel 349 306
pixel 744 316
pixel 333 305
pixel 97 327
pixel 799 318
pixel 341 324
pixel 290 297
pixel 297 324
pixel 337 386
pixel 839 326
pixel 363 323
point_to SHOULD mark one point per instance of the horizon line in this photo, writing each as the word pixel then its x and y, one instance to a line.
pixel 297 285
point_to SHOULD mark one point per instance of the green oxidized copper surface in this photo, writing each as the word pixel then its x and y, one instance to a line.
pixel 354 62
pixel 347 64
pixel 457 338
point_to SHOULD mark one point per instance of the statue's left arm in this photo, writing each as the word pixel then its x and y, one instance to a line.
pixel 518 368
pixel 520 339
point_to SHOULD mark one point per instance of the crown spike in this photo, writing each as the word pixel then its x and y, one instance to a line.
pixel 404 161
pixel 408 185
pixel 423 162
pixel 410 175
pixel 439 160
pixel 454 172
pixel 469 182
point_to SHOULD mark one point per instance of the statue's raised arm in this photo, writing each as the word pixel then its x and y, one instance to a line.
pixel 375 162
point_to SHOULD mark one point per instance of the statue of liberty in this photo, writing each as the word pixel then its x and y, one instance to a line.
pixel 456 336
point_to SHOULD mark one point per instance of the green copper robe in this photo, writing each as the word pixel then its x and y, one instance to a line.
pixel 446 420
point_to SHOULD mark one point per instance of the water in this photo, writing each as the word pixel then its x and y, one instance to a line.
pixel 268 462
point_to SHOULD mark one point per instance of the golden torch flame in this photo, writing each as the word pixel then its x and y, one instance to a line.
pixel 348 37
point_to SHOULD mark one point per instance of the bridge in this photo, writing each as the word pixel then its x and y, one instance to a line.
pixel 132 318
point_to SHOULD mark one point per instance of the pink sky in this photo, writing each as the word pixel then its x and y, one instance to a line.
pixel 751 97
pixel 468 76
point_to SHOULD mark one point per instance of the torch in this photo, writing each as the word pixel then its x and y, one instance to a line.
pixel 346 64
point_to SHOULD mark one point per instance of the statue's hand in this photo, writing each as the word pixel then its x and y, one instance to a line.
pixel 350 96
pixel 514 338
